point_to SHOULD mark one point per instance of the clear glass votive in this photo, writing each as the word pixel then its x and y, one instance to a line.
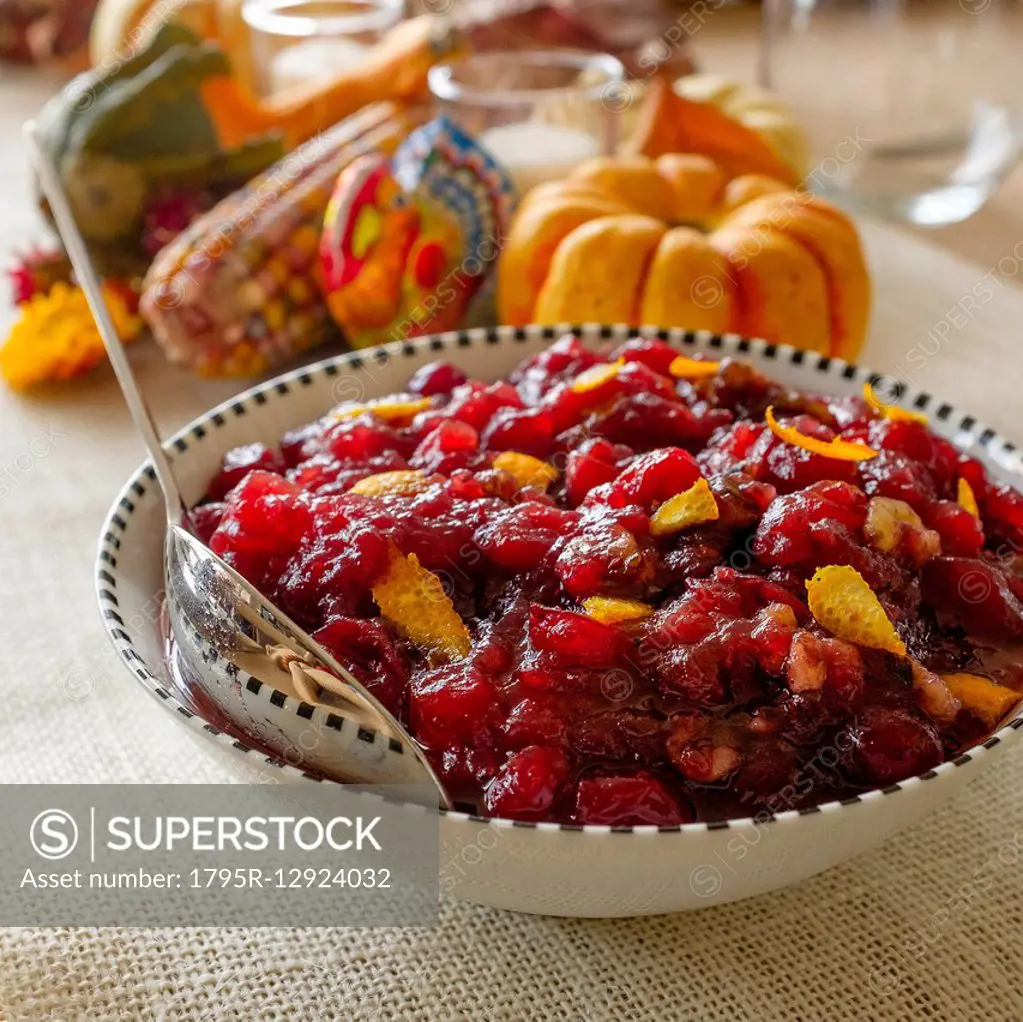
pixel 914 108
pixel 295 42
pixel 539 112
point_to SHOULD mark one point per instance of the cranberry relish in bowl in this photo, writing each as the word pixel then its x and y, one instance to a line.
pixel 642 588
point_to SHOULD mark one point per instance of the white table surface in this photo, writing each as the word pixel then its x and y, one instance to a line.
pixel 843 946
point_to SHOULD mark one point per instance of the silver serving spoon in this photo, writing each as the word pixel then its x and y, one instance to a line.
pixel 229 640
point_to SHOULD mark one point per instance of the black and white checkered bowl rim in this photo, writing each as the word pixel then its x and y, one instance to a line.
pixel 969 433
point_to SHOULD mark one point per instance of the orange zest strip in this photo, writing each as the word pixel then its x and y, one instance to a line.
pixel 981 696
pixel 840 450
pixel 525 469
pixel 842 601
pixel 966 498
pixel 596 376
pixel 686 509
pixel 414 601
pixel 893 412
pixel 693 368
pixel 609 611
pixel 402 483
pixel 390 409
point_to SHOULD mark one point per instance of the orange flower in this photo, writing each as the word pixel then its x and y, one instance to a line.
pixel 55 336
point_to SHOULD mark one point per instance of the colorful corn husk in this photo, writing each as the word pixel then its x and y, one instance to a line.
pixel 237 292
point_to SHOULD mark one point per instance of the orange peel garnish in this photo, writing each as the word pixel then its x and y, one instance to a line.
pixel 893 412
pixel 403 483
pixel 842 602
pixel 690 507
pixel 967 498
pixel 396 408
pixel 981 696
pixel 596 376
pixel 525 469
pixel 413 600
pixel 840 450
pixel 610 611
pixel 686 368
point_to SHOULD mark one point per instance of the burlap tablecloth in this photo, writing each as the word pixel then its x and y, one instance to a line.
pixel 927 928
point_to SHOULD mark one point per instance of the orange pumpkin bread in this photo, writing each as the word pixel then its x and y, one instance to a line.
pixel 677 241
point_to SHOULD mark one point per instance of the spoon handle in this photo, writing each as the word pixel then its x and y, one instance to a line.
pixel 78 253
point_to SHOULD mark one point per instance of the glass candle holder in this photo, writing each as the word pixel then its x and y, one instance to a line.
pixel 914 108
pixel 295 42
pixel 539 112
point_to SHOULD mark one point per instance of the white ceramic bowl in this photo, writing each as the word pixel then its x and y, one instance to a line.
pixel 546 868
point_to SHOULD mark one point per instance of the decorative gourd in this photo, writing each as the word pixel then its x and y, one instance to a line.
pixel 121 27
pixel 671 123
pixel 174 117
pixel 745 129
pixel 757 109
pixel 679 242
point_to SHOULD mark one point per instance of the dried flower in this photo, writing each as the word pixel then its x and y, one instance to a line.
pixel 55 337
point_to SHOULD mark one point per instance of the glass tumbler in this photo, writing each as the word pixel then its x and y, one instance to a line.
pixel 539 112
pixel 295 42
pixel 914 108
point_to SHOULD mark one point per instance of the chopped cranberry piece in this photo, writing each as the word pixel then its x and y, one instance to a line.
pixel 264 516
pixel 359 440
pixel 205 518
pixel 961 532
pixel 629 800
pixel 569 638
pixel 366 650
pixel 475 404
pixel 885 746
pixel 453 445
pixel 299 444
pixel 1005 506
pixel 436 378
pixel 334 573
pixel 639 379
pixel 528 432
pixel 591 464
pixel 646 421
pixel 238 463
pixel 974 594
pixel 731 446
pixel 898 477
pixel 566 357
pixel 453 704
pixel 695 673
pixel 521 537
pixel 528 783
pixel 654 354
pixel 603 558
pixel 651 479
pixel 533 721
pixel 785 535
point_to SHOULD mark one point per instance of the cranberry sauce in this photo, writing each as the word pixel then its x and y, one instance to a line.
pixel 608 668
